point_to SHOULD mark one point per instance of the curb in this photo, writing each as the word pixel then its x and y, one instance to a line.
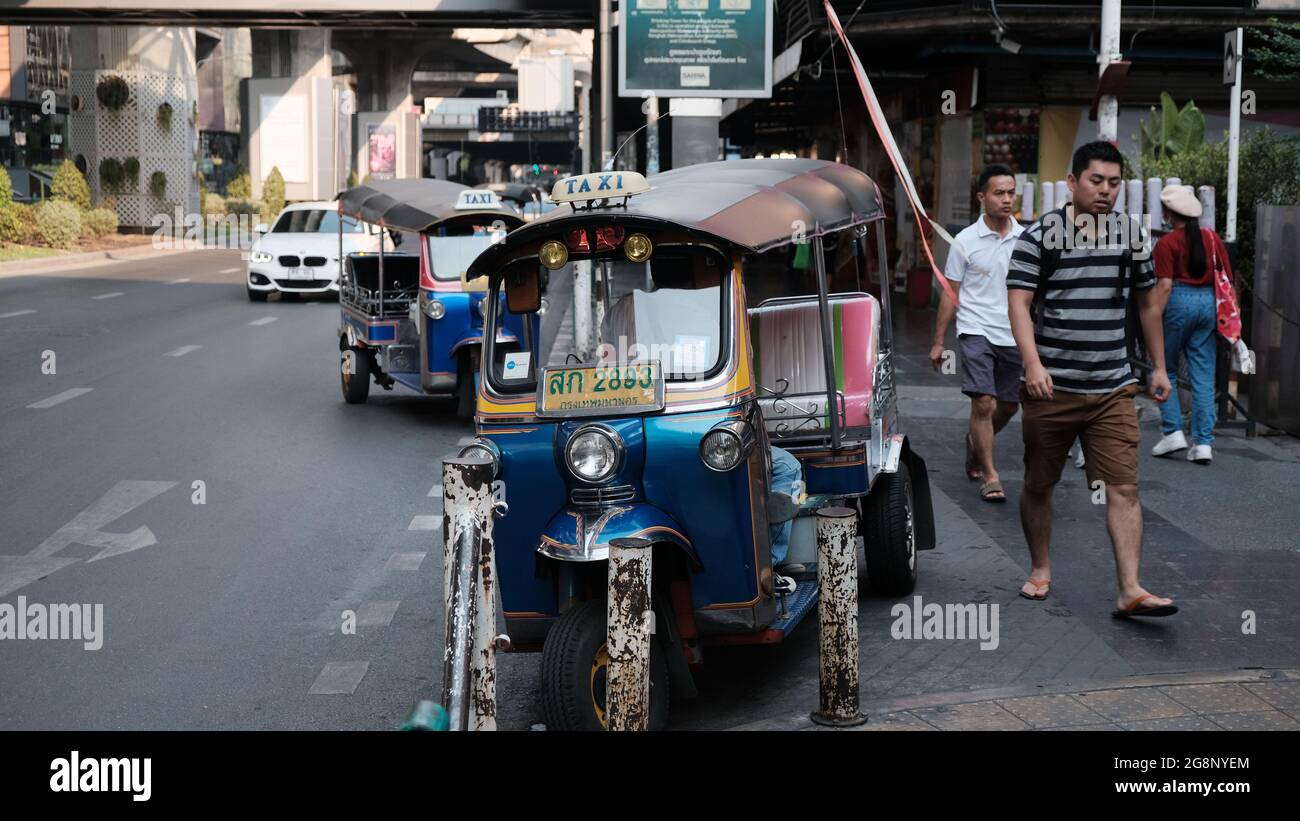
pixel 19 267
pixel 952 698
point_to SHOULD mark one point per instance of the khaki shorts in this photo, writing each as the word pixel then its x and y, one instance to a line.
pixel 1106 423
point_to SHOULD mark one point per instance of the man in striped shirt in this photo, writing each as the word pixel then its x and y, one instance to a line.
pixel 1076 266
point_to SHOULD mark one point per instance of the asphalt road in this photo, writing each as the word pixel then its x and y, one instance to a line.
pixel 228 614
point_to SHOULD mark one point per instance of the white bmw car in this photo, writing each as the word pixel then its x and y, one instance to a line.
pixel 299 253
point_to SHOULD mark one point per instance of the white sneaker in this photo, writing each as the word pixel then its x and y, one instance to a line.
pixel 1170 443
pixel 1199 454
pixel 784 585
pixel 1080 461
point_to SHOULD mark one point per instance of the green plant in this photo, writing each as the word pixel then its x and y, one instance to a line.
pixel 1173 130
pixel 10 223
pixel 26 213
pixel 1278 55
pixel 165 112
pixel 214 204
pixel 241 187
pixel 58 223
pixel 111 176
pixel 1268 173
pixel 352 179
pixel 70 185
pixel 243 206
pixel 98 222
pixel 273 193
pixel 112 92
pixel 158 184
pixel 131 168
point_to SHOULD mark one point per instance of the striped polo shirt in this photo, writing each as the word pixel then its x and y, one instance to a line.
pixel 1080 327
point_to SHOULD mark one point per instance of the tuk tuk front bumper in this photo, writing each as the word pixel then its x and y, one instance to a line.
pixel 583 534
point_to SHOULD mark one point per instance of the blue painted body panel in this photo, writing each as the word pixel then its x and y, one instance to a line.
pixel 676 495
pixel 460 326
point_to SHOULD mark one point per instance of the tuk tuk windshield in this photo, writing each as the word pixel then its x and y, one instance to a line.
pixel 669 310
pixel 451 250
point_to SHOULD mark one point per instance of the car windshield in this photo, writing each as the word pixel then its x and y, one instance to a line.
pixel 669 310
pixel 450 256
pixel 314 221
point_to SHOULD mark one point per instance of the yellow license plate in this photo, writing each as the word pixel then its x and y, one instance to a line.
pixel 601 389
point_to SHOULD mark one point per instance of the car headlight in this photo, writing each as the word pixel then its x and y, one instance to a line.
pixel 726 445
pixel 260 256
pixel 593 453
pixel 488 450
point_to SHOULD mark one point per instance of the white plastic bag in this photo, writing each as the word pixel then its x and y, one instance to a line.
pixel 1243 358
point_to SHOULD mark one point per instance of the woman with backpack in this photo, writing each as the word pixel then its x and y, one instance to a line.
pixel 1193 282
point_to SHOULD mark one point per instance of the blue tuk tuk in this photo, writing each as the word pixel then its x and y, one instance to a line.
pixel 410 316
pixel 713 339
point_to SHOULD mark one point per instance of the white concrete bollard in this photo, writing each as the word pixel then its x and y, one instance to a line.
pixel 837 610
pixel 630 620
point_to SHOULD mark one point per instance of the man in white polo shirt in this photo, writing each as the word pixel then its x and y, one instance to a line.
pixel 990 361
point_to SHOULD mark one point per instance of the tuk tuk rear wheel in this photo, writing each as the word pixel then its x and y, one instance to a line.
pixel 354 379
pixel 574 663
pixel 889 534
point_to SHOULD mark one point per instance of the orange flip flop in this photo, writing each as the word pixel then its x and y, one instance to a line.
pixel 1135 608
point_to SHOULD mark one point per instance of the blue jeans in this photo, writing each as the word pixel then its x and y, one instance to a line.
pixel 786 471
pixel 1189 328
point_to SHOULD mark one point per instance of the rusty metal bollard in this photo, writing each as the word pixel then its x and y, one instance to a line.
pixel 469 594
pixel 630 620
pixel 837 609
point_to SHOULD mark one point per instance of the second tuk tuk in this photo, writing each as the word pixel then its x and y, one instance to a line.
pixel 410 316
pixel 715 338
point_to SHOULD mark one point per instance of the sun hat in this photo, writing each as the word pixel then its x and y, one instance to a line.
pixel 1181 199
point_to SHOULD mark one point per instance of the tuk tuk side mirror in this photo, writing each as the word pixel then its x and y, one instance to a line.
pixel 523 291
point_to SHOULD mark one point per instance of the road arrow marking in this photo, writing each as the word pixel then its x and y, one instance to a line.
pixel 120 500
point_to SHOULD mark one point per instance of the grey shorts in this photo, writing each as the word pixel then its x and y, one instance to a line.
pixel 989 370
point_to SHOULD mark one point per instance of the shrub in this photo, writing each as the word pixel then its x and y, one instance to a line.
pixel 27 233
pixel 158 184
pixel 70 185
pixel 113 92
pixel 243 206
pixel 214 204
pixel 10 224
pixel 273 193
pixel 131 167
pixel 241 187
pixel 58 223
pixel 112 179
pixel 99 222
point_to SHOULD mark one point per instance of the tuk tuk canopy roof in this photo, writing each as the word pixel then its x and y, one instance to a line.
pixel 516 191
pixel 412 204
pixel 751 204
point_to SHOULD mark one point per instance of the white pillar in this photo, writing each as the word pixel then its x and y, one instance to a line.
pixel 1234 146
pixel 1027 202
pixel 1049 197
pixel 1154 208
pixel 1108 106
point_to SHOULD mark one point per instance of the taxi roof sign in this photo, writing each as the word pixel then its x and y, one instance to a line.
pixel 598 186
pixel 477 199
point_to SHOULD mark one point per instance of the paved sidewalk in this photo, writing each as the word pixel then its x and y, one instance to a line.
pixel 1246 700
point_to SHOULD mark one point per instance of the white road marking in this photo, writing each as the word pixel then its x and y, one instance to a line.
pixel 266 320
pixel 72 393
pixel 110 295
pixel 229 271
pixel 376 613
pixel 339 678
pixel 19 571
pixel 183 350
pixel 436 491
pixel 405 561
pixel 179 281
pixel 17 313
pixel 425 523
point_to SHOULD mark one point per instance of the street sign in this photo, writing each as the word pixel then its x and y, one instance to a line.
pixel 695 48
pixel 1230 58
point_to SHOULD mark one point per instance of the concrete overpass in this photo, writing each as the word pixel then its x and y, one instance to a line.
pixel 387 14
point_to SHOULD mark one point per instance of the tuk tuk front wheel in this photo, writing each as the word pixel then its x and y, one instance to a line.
pixel 354 375
pixel 575 662
pixel 889 534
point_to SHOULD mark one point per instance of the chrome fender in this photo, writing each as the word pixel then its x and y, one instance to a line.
pixel 583 535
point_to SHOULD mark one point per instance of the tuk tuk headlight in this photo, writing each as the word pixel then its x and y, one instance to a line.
pixel 593 453
pixel 433 308
pixel 726 445
pixel 487 449
pixel 637 248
